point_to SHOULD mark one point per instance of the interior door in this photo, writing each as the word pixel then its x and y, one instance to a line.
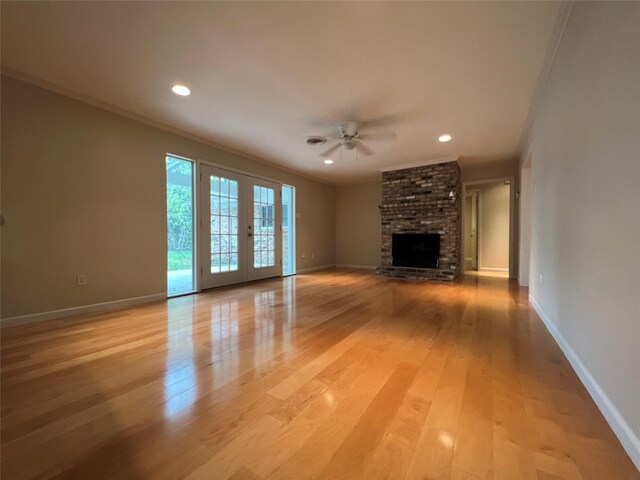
pixel 264 229
pixel 474 230
pixel 223 215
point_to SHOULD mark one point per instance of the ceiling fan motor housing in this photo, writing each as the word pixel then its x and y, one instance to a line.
pixel 348 130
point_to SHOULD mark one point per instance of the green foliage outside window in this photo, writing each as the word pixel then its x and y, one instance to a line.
pixel 179 214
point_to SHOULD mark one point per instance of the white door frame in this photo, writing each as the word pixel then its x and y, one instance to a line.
pixel 512 243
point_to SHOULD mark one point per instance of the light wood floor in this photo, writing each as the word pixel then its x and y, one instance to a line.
pixel 335 375
pixel 486 273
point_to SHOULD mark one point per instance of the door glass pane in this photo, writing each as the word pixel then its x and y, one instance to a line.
pixel 264 227
pixel 288 230
pixel 180 223
pixel 224 224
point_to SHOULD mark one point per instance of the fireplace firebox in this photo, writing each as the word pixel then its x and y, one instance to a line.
pixel 415 250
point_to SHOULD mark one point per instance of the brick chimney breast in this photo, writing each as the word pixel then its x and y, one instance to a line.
pixel 418 200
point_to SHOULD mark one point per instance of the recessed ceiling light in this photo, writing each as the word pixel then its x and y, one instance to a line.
pixel 181 90
pixel 444 138
pixel 328 161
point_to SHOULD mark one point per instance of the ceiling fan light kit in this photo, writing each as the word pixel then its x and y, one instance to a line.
pixel 348 139
pixel 349 144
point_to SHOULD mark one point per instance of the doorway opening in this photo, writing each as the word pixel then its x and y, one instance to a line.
pixel 488 227
pixel 180 226
pixel 471 231
pixel 246 227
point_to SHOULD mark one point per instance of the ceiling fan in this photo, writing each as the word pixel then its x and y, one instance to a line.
pixel 350 138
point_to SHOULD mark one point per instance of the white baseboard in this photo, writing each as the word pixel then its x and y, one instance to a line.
pixel 362 267
pixel 620 427
pixel 315 269
pixel 67 312
pixel 491 269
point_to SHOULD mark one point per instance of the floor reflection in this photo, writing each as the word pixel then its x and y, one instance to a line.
pixel 289 300
pixel 219 333
pixel 234 383
pixel 225 340
pixel 264 303
pixel 288 309
pixel 180 385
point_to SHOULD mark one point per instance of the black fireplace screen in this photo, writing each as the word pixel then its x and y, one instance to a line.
pixel 417 250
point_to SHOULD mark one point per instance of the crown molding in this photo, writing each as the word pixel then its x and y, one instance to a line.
pixel 94 102
pixel 424 163
pixel 562 18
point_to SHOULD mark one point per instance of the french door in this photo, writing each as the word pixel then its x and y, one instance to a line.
pixel 264 229
pixel 241 219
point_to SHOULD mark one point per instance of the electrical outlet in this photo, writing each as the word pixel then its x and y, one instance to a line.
pixel 540 279
pixel 313 256
pixel 304 256
pixel 81 279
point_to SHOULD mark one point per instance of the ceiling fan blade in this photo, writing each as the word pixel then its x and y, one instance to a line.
pixel 364 149
pixel 378 136
pixel 328 152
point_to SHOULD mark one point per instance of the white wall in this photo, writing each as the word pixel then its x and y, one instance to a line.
pixel 585 240
pixel 474 169
pixel 83 191
pixel 524 202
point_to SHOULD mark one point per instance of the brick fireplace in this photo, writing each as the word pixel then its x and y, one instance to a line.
pixel 422 200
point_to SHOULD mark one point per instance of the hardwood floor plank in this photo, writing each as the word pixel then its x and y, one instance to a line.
pixel 244 474
pixel 392 457
pixel 315 411
pixel 434 453
pixel 350 460
pixel 337 374
pixel 368 373
pixel 473 452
